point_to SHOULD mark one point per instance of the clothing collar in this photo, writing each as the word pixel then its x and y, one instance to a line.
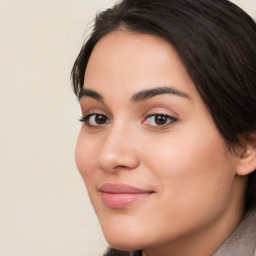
pixel 242 241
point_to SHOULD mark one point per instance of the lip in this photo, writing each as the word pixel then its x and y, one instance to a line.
pixel 119 195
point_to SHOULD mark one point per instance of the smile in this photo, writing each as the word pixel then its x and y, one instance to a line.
pixel 118 196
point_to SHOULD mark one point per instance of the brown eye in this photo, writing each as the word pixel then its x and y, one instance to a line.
pixel 100 119
pixel 159 120
pixel 95 120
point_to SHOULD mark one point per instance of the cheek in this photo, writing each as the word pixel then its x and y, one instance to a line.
pixel 85 157
pixel 194 172
pixel 192 149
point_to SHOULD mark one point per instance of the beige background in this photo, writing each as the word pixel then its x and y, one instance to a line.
pixel 44 208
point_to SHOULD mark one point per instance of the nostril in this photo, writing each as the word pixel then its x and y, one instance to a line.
pixel 123 163
pixel 121 166
pixel 115 156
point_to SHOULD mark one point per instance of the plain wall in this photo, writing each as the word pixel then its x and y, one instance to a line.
pixel 44 208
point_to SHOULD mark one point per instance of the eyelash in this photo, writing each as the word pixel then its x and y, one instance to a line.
pixel 161 117
pixel 86 120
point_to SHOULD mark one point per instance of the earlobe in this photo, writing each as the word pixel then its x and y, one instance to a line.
pixel 247 157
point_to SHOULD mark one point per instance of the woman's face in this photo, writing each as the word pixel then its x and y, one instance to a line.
pixel 155 166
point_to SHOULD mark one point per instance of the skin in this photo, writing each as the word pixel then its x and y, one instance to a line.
pixel 197 194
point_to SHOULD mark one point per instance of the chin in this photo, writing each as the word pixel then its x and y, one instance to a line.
pixel 124 245
pixel 125 240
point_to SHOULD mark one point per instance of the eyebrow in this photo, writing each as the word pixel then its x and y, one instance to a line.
pixel 139 96
pixel 150 93
pixel 86 93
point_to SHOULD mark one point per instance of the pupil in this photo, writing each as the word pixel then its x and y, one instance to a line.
pixel 160 120
pixel 100 119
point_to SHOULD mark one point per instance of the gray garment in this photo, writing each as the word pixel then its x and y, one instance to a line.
pixel 242 241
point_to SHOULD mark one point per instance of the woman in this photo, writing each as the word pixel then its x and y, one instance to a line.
pixel 167 148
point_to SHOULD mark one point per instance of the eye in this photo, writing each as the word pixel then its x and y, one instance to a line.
pixel 159 120
pixel 93 120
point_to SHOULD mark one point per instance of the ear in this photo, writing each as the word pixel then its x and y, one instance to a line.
pixel 247 156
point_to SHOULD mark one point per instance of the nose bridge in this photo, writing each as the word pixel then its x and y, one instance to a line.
pixel 118 150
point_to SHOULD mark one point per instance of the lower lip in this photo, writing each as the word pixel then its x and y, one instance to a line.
pixel 119 201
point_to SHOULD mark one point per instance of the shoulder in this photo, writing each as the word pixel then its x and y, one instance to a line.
pixel 243 240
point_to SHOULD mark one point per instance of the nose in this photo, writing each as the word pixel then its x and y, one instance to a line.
pixel 118 151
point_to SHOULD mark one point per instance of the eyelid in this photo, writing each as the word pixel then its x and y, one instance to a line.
pixel 86 118
pixel 86 112
pixel 166 125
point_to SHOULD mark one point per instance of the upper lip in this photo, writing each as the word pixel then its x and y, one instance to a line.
pixel 120 188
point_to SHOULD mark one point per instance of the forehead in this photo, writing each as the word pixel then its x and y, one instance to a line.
pixel 132 61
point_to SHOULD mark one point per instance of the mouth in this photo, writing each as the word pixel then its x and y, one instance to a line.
pixel 119 195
